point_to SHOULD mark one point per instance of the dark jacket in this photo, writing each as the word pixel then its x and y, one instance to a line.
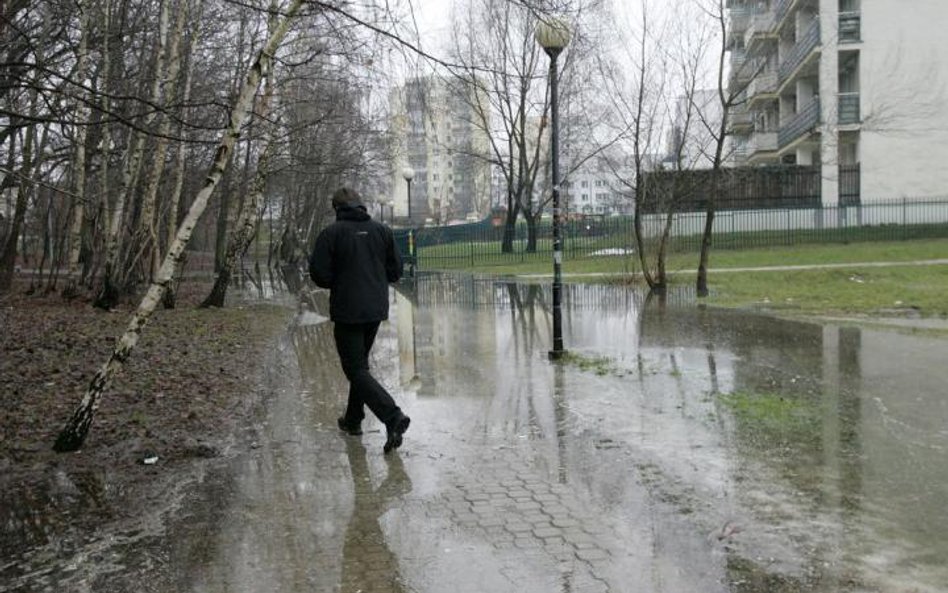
pixel 356 258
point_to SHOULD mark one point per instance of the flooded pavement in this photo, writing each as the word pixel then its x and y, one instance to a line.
pixel 676 449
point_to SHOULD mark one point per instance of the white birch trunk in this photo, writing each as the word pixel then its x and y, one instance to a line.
pixel 181 153
pixel 147 230
pixel 250 210
pixel 74 433
pixel 130 173
pixel 79 160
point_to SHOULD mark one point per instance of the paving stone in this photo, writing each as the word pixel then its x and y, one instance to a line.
pixel 544 532
pixel 591 554
pixel 519 527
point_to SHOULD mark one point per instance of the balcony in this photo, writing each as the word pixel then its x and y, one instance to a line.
pixel 782 8
pixel 805 46
pixel 738 58
pixel 764 84
pixel 849 108
pixel 805 121
pixel 740 73
pixel 740 120
pixel 759 28
pixel 738 18
pixel 763 142
pixel 739 154
pixel 850 27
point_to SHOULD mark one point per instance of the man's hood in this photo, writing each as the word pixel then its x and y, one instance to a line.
pixel 356 212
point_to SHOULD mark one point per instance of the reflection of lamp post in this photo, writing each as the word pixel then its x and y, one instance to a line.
pixel 391 210
pixel 382 210
pixel 408 173
pixel 553 36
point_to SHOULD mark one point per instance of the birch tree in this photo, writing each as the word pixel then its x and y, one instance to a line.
pixel 77 427
pixel 79 160
pixel 250 212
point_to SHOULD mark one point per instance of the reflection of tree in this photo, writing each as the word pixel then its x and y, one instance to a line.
pixel 523 311
pixel 367 562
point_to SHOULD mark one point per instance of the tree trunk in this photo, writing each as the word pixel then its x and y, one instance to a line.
pixel 79 160
pixel 114 278
pixel 247 223
pixel 532 231
pixel 702 283
pixel 148 230
pixel 77 427
pixel 510 226
pixel 8 257
pixel 181 163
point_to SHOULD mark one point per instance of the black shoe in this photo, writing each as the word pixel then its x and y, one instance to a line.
pixel 394 433
pixel 352 429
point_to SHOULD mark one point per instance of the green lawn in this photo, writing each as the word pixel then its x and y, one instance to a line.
pixel 852 289
pixel 895 290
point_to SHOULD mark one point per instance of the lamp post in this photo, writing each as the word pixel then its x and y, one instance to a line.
pixel 408 173
pixel 553 35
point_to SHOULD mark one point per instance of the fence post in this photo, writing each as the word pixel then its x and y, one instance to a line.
pixel 904 218
pixel 789 232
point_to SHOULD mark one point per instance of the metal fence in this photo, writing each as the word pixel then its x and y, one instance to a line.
pixel 480 244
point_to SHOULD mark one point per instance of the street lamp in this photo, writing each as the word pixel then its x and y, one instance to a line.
pixel 553 35
pixel 408 173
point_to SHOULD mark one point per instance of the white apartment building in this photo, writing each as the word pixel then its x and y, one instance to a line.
pixel 857 87
pixel 592 190
pixel 437 135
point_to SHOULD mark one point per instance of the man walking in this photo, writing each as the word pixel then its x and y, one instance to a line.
pixel 356 259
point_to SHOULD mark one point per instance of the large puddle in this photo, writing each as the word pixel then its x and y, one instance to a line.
pixel 815 454
pixel 675 449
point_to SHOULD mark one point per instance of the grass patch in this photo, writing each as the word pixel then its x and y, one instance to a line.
pixel 916 290
pixel 773 418
pixel 600 365
pixel 880 291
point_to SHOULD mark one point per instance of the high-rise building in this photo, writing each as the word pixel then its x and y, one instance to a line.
pixel 856 88
pixel 439 135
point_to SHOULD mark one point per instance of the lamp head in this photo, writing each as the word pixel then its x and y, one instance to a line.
pixel 408 173
pixel 553 35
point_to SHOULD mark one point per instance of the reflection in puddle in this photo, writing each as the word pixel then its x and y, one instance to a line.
pixel 825 443
pixel 368 563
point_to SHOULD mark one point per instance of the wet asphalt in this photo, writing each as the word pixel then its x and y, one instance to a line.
pixel 676 449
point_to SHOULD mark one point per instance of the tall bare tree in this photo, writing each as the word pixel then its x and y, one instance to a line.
pixel 74 432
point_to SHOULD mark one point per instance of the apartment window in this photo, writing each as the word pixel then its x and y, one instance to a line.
pixel 584 183
pixel 599 183
pixel 848 153
pixel 585 196
pixel 434 176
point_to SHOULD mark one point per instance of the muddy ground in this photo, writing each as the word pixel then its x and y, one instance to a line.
pixel 188 393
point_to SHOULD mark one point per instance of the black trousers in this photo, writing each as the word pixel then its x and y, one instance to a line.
pixel 353 343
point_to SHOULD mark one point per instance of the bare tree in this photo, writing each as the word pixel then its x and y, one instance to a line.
pixel 640 113
pixel 74 433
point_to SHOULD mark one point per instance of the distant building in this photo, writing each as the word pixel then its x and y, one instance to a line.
pixel 855 88
pixel 594 189
pixel 437 134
